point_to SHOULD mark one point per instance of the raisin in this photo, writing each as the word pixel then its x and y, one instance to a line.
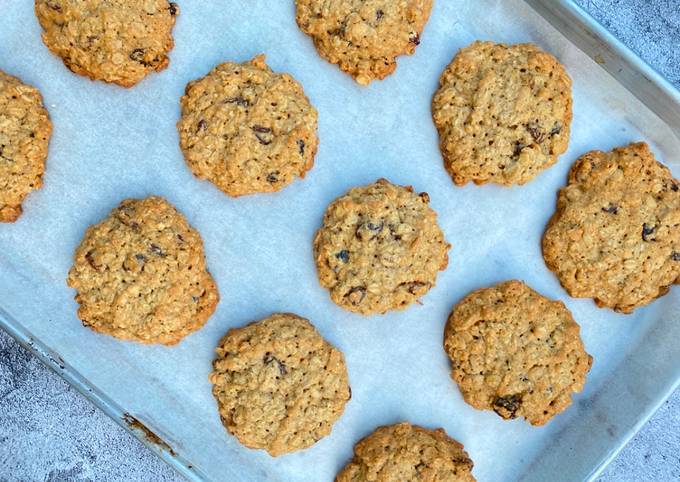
pixel 507 406
pixel 155 249
pixel 269 358
pixel 674 187
pixel 647 232
pixel 173 9
pixel 519 147
pixel 263 130
pixel 369 230
pixel 675 256
pixel 413 286
pixel 138 56
pixel 425 197
pixel 195 298
pixel 611 209
pixel 180 238
pixel 259 131
pixel 54 5
pixel 356 295
pixel 379 14
pixel 238 101
pixel 91 261
pixel 140 257
pixel 343 256
pixel 301 146
pixel 273 177
pixel 536 132
pixel 555 130
pixel 350 392
pixel 202 125
pixel 414 38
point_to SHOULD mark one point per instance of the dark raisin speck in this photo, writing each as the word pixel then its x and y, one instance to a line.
pixel 137 55
pixel 91 261
pixel 647 231
pixel 195 298
pixel 414 38
pixel 259 133
pixel 238 101
pixel 202 125
pixel 611 209
pixel 263 130
pixel 301 146
pixel 674 187
pixel 507 406
pixel 54 5
pixel 379 14
pixel 269 358
pixel 519 147
pixel 173 9
pixel 343 256
pixel 273 177
pixel 536 132
pixel 555 130
pixel 155 249
pixel 675 256
pixel 140 257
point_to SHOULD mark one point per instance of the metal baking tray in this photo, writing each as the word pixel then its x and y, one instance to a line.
pixel 110 143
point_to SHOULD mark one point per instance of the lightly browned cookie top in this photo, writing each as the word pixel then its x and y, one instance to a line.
pixel 140 274
pixel 615 235
pixel 119 41
pixel 279 385
pixel 25 131
pixel 379 248
pixel 516 352
pixel 364 37
pixel 503 113
pixel 247 129
pixel 402 452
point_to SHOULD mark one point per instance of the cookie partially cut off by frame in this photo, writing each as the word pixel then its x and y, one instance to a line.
pixel 404 452
pixel 118 41
pixel 140 274
pixel 516 352
pixel 615 235
pixel 279 385
pixel 25 131
pixel 364 37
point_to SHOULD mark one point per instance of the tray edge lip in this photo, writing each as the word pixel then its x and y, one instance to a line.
pixel 70 375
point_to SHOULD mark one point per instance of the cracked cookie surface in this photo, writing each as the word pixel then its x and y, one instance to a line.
pixel 247 129
pixel 364 37
pixel 379 248
pixel 140 274
pixel 503 113
pixel 119 41
pixel 400 452
pixel 279 385
pixel 25 131
pixel 516 352
pixel 615 235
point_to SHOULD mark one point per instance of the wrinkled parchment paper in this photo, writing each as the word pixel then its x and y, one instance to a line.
pixel 110 143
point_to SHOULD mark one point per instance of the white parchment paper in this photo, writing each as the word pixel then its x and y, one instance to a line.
pixel 111 143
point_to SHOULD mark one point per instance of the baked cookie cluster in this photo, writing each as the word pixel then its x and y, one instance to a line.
pixel 503 114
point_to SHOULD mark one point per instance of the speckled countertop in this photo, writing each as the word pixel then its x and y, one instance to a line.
pixel 49 432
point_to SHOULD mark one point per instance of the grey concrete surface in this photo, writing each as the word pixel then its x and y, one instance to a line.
pixel 49 432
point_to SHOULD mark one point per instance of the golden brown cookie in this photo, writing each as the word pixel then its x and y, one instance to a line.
pixel 279 385
pixel 516 352
pixel 25 131
pixel 379 248
pixel 405 452
pixel 364 37
pixel 140 274
pixel 247 129
pixel 503 113
pixel 615 235
pixel 119 41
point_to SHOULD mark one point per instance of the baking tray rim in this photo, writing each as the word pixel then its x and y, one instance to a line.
pixel 136 428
